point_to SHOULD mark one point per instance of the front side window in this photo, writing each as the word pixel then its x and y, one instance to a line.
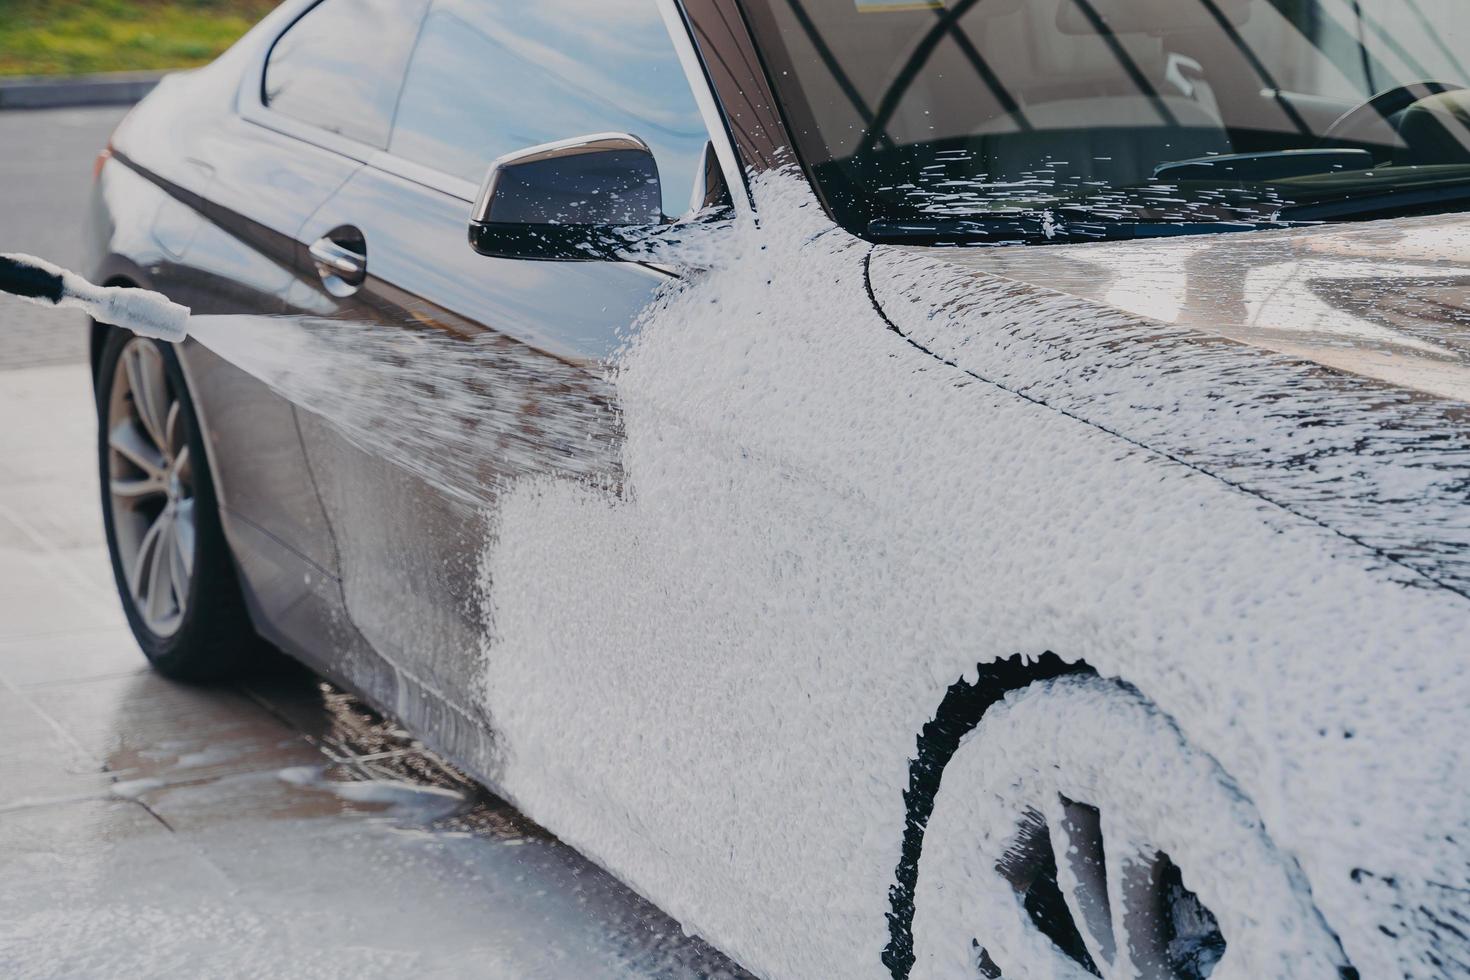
pixel 340 66
pixel 490 77
pixel 1059 120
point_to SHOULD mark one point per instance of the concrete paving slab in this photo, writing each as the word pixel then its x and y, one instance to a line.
pixel 392 838
pixel 52 406
pixel 13 538
pixel 249 799
pixel 38 762
pixel 145 727
pixel 43 597
pixel 90 567
pixel 65 514
pixel 69 657
pixel 46 835
pixel 83 877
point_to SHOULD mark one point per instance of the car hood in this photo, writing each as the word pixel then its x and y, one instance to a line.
pixel 1388 300
pixel 1324 370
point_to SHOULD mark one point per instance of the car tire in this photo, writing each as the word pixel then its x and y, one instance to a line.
pixel 170 560
pixel 1077 834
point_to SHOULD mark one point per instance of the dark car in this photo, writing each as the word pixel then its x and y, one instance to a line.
pixel 633 397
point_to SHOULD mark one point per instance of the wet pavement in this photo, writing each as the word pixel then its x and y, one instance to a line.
pixel 275 829
pixel 150 829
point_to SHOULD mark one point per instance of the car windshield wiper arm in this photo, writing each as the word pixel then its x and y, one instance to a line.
pixel 1384 204
pixel 1031 229
pixel 1258 168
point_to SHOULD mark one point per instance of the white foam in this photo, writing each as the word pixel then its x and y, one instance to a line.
pixel 709 672
pixel 712 681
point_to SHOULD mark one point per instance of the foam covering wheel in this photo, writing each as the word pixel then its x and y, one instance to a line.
pixel 1078 834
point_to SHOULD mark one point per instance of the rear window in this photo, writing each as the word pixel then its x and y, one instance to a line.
pixel 340 66
pixel 493 76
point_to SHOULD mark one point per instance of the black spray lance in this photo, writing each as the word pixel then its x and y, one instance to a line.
pixel 145 313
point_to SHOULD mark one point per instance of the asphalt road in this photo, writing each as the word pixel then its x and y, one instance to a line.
pixel 46 162
pixel 272 829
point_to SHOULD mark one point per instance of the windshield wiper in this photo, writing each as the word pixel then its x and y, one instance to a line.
pixel 1045 229
pixel 1257 168
pixel 1394 203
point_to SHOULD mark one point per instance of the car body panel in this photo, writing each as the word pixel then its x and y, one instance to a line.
pixel 1347 449
pixel 553 324
pixel 1388 300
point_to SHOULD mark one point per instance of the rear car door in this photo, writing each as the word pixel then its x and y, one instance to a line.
pixel 488 77
pixel 296 138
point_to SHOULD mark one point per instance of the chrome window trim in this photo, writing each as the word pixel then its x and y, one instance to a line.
pixel 305 132
pixel 424 176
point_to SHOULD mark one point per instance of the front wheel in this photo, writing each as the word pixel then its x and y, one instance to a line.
pixel 1077 834
pixel 170 560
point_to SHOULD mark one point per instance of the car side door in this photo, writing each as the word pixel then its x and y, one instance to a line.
pixel 521 344
pixel 306 119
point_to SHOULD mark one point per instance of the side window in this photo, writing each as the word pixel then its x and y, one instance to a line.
pixel 493 76
pixel 340 66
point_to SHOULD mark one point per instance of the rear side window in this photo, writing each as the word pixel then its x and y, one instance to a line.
pixel 340 66
pixel 493 76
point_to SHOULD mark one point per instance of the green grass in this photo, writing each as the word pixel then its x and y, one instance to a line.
pixel 67 37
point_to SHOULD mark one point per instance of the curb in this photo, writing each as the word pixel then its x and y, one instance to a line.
pixel 56 92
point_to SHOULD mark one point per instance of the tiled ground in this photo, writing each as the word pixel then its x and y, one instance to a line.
pixel 280 829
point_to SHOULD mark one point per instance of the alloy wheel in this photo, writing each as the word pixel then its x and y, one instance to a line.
pixel 151 487
pixel 1127 914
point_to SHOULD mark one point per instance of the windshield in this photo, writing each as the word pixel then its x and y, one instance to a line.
pixel 1058 120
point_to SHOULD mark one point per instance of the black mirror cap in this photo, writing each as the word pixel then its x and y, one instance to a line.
pixel 661 243
pixel 577 199
pixel 556 243
pixel 601 187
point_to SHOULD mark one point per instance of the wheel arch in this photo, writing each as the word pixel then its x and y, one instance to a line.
pixel 964 705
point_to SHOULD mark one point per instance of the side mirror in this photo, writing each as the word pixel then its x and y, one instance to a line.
pixel 576 200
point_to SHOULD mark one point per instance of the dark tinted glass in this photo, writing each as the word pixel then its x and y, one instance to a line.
pixel 493 76
pixel 340 66
pixel 1111 118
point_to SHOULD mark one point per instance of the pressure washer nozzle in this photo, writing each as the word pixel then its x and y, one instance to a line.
pixel 145 313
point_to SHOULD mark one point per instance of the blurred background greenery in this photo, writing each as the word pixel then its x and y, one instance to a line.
pixel 66 37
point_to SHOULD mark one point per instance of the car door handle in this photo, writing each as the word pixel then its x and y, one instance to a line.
pixel 335 259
